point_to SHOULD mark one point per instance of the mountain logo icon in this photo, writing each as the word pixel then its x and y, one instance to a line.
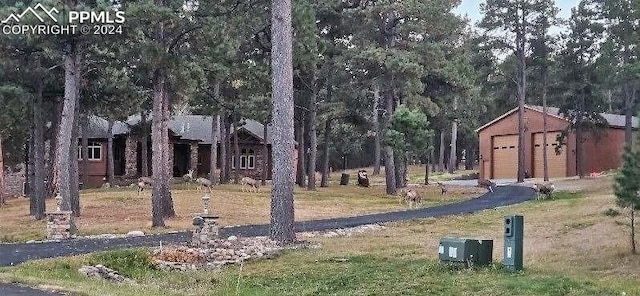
pixel 44 14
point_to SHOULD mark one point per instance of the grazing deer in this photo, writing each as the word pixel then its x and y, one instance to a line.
pixel 545 189
pixel 188 177
pixel 142 182
pixel 443 188
pixel 410 196
pixel 487 184
pixel 254 184
pixel 202 182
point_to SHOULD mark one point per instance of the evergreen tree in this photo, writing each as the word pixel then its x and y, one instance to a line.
pixel 513 22
pixel 627 188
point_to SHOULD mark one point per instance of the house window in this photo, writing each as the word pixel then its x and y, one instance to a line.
pixel 247 160
pixel 251 158
pixel 95 151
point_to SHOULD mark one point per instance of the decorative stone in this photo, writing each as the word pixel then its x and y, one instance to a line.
pixel 135 233
pixel 102 272
pixel 205 230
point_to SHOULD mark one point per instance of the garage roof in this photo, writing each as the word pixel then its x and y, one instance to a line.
pixel 614 120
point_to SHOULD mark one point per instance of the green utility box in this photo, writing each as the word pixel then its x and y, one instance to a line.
pixel 513 240
pixel 465 251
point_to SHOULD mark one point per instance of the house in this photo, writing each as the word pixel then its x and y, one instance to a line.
pixel 498 142
pixel 190 147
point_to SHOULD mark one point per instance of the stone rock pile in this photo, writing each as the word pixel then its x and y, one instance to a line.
pixel 217 253
pixel 102 272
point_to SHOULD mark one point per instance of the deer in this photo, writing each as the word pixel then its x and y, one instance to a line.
pixel 486 184
pixel 410 196
pixel 254 184
pixel 202 182
pixel 142 182
pixel 443 188
pixel 188 177
pixel 545 189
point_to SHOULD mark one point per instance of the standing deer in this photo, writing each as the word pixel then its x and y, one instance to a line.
pixel 142 182
pixel 202 182
pixel 410 196
pixel 250 182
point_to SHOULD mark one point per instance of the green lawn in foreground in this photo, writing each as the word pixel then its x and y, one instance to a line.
pixel 305 272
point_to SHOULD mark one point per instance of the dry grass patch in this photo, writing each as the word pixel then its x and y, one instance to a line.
pixel 122 210
pixel 571 236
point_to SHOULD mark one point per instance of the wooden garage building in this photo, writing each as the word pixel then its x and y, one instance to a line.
pixel 498 142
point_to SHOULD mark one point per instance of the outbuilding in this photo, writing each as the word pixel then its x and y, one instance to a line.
pixel 498 143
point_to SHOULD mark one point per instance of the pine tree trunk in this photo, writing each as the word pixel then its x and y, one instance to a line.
pixel 85 151
pixel 265 154
pixel 400 163
pixel 545 159
pixel 300 173
pixel 72 73
pixel 426 171
pixel 522 89
pixel 110 160
pixel 282 211
pixel 37 194
pixel 453 159
pixel 236 149
pixel 144 146
pixel 30 171
pixel 324 182
pixel 441 153
pixel 2 195
pixel 432 159
pixel 227 150
pixel 389 169
pixel 223 147
pixel 629 110
pixel 376 130
pixel 157 145
pixel 52 158
pixel 579 140
pixel 313 136
pixel 167 200
pixel 215 132
pixel 73 169
pixel 389 164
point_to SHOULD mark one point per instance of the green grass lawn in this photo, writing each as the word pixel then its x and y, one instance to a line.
pixel 305 272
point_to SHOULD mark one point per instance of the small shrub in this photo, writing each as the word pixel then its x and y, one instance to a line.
pixel 611 212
